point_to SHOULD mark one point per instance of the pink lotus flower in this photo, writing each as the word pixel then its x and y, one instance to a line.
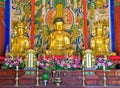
pixel 10 65
pixel 78 66
pixel 10 62
pixel 96 66
pixel 46 60
pixel 109 63
pixel 103 62
pixel 105 65
pixel 74 65
pixel 76 62
pixel 58 62
pixel 6 59
pixel 47 64
pixel 42 66
pixel 61 65
pixel 99 64
pixel 7 63
pixel 20 60
pixel 13 63
pixel 16 63
pixel 68 66
pixel 62 62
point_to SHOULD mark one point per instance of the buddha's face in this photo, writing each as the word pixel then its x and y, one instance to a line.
pixel 59 26
pixel 20 32
pixel 99 32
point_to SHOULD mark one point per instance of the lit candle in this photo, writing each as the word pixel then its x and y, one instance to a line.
pixel 87 60
pixel 83 62
pixel 17 67
pixel 29 60
pixel 37 63
pixel 88 56
pixel 104 68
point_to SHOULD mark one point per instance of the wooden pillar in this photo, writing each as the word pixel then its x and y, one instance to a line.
pixel 85 24
pixel 2 28
pixel 117 29
pixel 32 24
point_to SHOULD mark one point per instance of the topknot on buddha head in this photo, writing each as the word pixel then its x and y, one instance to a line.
pixel 59 19
pixel 20 28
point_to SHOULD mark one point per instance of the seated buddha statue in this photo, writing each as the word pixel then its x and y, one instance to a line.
pixel 20 42
pixel 99 43
pixel 59 41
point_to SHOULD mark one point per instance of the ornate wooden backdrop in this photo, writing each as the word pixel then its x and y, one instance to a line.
pixel 117 23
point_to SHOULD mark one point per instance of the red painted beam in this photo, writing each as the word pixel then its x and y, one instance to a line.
pixel 32 24
pixel 85 24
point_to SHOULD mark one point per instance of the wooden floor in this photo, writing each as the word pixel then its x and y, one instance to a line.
pixel 62 86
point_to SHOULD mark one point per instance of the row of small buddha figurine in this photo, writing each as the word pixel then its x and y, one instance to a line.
pixel 59 41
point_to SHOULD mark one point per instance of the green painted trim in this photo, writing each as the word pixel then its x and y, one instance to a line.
pixel 1 5
pixel 2 0
pixel 117 4
pixel 89 73
pixel 30 72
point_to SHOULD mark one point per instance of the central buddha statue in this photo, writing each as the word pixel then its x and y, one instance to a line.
pixel 59 41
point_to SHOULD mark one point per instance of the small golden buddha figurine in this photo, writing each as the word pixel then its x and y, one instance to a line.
pixel 59 41
pixel 99 42
pixel 20 42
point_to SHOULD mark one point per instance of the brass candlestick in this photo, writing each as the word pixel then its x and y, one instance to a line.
pixel 105 80
pixel 83 74
pixel 16 78
pixel 54 73
pixel 37 75
pixel 57 81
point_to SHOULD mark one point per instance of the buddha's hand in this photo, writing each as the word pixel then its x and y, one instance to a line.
pixel 68 46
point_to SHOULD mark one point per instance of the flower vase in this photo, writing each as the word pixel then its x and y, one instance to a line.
pixel 45 82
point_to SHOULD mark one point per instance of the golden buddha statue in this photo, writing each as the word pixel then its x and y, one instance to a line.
pixel 20 42
pixel 99 42
pixel 59 41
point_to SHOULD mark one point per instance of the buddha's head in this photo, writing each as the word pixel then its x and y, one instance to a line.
pixel 99 32
pixel 99 28
pixel 20 29
pixel 59 24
